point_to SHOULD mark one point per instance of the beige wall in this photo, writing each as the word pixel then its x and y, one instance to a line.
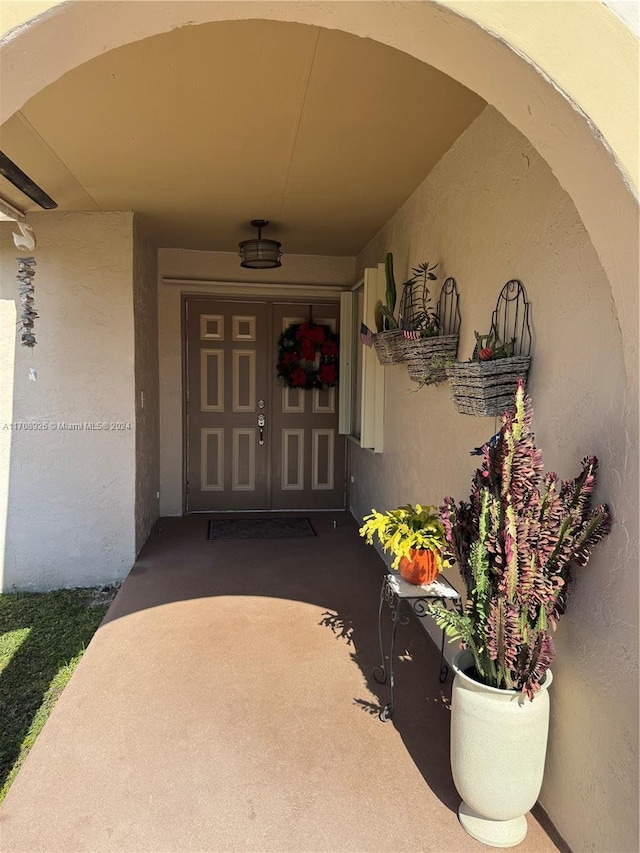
pixel 557 37
pixel 197 267
pixel 145 316
pixel 492 210
pixel 69 494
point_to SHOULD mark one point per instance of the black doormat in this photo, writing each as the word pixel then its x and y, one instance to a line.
pixel 260 528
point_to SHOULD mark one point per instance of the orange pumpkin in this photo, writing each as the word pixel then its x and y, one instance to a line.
pixel 421 567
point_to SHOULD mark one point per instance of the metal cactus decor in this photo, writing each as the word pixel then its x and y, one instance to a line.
pixel 515 541
pixel 384 314
pixel 388 336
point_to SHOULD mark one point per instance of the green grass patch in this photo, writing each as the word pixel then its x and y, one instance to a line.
pixel 42 638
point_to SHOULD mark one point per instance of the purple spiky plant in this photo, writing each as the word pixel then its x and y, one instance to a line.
pixel 515 541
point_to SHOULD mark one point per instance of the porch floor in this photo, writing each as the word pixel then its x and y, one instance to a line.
pixel 226 704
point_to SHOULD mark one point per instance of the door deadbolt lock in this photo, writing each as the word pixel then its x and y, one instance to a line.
pixel 261 404
pixel 261 423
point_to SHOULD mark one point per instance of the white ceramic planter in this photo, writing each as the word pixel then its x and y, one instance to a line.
pixel 498 748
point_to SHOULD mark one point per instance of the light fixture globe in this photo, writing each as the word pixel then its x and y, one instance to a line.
pixel 259 254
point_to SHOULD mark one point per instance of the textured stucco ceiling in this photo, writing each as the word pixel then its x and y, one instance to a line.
pixel 206 127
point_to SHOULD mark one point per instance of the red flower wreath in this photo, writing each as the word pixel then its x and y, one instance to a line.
pixel 308 356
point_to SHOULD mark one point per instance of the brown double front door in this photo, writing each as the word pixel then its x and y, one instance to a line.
pixel 251 443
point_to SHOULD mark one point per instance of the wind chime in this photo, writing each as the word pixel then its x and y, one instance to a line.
pixel 26 241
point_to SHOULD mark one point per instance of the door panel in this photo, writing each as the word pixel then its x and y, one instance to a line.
pixel 308 469
pixel 227 467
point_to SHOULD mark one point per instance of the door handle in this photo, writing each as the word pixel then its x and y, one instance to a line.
pixel 261 424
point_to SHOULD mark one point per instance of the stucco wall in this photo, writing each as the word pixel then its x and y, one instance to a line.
pixel 69 493
pixel 145 317
pixel 306 270
pixel 492 210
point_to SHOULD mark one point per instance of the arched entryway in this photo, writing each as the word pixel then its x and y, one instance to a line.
pixel 486 62
pixel 546 105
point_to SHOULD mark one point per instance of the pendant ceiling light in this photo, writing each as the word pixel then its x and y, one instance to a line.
pixel 259 254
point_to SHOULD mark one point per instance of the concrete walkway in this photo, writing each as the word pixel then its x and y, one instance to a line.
pixel 227 704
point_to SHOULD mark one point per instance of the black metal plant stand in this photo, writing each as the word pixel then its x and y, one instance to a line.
pixel 405 599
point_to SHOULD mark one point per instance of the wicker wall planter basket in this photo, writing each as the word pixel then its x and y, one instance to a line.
pixel 486 387
pixel 421 352
pixel 388 346
pixel 419 356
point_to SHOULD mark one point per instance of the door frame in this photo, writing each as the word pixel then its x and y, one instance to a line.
pixel 270 296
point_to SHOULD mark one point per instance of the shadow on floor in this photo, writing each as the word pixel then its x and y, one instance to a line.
pixel 336 571
pixel 422 703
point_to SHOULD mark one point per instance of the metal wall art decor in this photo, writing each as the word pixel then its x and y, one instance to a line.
pixel 486 384
pixel 436 343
